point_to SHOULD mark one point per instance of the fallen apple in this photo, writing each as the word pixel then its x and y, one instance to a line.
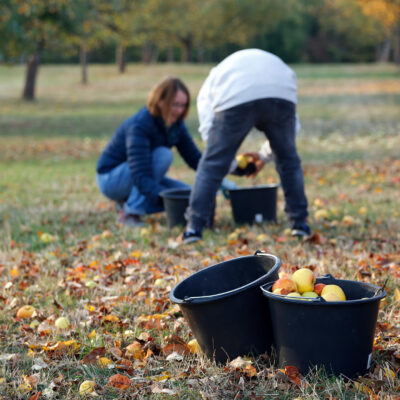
pixel 62 323
pixel 25 312
pixel 304 279
pixel 86 387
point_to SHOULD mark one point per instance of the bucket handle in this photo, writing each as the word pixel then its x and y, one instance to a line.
pixel 260 253
pixel 380 289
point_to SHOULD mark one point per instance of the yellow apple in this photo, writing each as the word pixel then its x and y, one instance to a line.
pixel 62 323
pixel 286 285
pixel 331 296
pixel 242 161
pixel 25 312
pixel 86 387
pixel 337 290
pixel 304 279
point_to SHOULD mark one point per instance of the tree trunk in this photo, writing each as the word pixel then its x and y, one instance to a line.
pixel 201 54
pixel 32 68
pixel 146 53
pixel 396 45
pixel 383 51
pixel 170 54
pixel 121 61
pixel 154 54
pixel 186 50
pixel 83 61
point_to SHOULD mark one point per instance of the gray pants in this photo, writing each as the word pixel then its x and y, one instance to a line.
pixel 274 117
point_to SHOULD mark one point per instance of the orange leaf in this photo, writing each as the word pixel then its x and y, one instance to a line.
pixel 293 374
pixel 119 381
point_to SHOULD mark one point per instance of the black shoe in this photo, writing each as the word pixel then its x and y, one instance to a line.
pixel 191 237
pixel 301 229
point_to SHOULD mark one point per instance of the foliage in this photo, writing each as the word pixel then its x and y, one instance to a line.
pixel 62 252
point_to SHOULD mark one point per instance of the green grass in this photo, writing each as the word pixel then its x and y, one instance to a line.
pixel 349 147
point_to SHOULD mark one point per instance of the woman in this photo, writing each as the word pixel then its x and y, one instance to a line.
pixel 132 168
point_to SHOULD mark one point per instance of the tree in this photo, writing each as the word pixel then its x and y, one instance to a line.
pixel 387 13
pixel 28 27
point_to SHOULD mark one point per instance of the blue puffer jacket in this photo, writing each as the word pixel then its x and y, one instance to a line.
pixel 134 141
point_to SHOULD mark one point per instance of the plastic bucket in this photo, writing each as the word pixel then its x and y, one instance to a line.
pixel 225 308
pixel 175 203
pixel 335 335
pixel 254 204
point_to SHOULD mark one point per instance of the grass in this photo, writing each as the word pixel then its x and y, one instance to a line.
pixel 104 277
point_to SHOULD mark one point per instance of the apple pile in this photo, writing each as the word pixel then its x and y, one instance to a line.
pixel 302 285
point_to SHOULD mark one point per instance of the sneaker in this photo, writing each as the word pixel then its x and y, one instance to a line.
pixel 191 237
pixel 301 229
pixel 131 220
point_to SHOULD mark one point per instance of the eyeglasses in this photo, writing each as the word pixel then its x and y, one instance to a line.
pixel 179 105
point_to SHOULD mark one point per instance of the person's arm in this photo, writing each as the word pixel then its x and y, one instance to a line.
pixel 139 158
pixel 188 149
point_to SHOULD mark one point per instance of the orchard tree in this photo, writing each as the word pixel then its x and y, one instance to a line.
pixel 27 28
pixel 387 13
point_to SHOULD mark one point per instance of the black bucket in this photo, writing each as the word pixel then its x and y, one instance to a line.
pixel 175 203
pixel 337 335
pixel 254 204
pixel 225 308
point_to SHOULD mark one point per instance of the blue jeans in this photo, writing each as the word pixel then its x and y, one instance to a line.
pixel 277 119
pixel 118 184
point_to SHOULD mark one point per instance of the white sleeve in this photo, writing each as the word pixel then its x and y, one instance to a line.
pixel 205 111
pixel 265 152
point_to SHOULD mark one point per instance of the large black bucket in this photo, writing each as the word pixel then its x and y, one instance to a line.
pixel 225 308
pixel 254 204
pixel 175 203
pixel 335 335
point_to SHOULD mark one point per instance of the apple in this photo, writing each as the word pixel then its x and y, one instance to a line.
pixel 293 294
pixel 25 312
pixel 318 288
pixel 62 323
pixel 304 279
pixel 284 274
pixel 337 290
pixel 310 294
pixel 331 296
pixel 86 387
pixel 286 285
pixel 242 161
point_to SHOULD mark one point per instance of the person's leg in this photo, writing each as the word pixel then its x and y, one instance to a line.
pixel 277 120
pixel 116 184
pixel 137 203
pixel 229 128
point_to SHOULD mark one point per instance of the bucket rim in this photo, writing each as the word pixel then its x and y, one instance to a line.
pixel 254 188
pixel 316 301
pixel 174 193
pixel 223 295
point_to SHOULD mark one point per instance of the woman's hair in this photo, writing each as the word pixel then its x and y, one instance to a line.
pixel 165 91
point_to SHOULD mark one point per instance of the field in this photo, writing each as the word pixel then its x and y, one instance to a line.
pixel 62 251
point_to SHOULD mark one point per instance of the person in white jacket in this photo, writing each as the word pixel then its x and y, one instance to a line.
pixel 250 88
